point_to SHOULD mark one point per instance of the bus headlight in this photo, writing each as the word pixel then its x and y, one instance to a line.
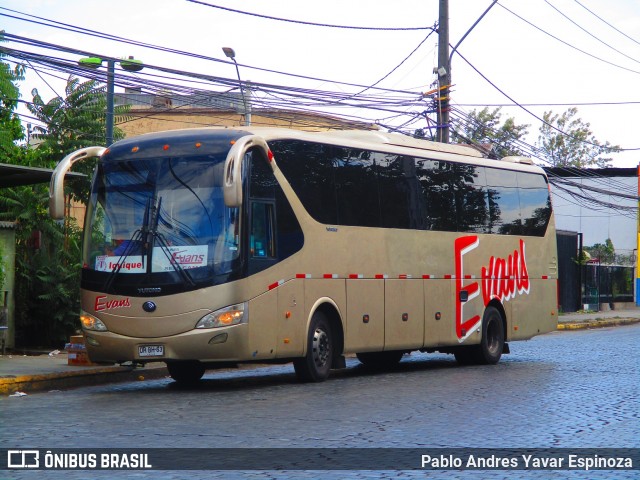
pixel 89 322
pixel 232 315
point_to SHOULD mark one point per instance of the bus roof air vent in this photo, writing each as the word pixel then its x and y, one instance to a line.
pixel 399 140
pixel 518 159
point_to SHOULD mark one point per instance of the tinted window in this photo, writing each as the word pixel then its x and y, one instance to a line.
pixel 263 186
pixel 309 169
pixel 535 203
pixel 356 186
pixel 438 181
pixel 345 186
pixel 472 205
pixel 504 202
pixel 401 196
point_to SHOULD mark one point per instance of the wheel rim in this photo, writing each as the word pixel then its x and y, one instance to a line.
pixel 493 336
pixel 321 348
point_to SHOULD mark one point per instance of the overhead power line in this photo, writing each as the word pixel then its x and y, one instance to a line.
pixel 300 22
pixel 530 112
pixel 607 23
pixel 589 33
pixel 567 43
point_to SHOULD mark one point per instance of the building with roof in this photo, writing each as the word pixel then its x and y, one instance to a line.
pixel 170 111
pixel 591 206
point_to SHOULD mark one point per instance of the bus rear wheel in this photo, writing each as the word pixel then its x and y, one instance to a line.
pixel 492 343
pixel 380 360
pixel 186 372
pixel 491 346
pixel 316 364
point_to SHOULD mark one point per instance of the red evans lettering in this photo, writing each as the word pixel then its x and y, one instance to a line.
pixel 502 279
pixel 187 259
pixel 103 304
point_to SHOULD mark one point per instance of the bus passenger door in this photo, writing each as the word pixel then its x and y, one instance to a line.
pixel 262 244
pixel 365 315
pixel 403 314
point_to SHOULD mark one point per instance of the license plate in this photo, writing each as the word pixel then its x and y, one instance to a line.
pixel 151 350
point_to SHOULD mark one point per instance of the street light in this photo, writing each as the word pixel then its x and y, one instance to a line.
pixel 131 65
pixel 230 53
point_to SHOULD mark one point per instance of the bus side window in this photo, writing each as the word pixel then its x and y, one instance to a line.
pixel 262 238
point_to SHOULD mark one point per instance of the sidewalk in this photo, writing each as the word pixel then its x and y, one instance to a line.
pixel 33 373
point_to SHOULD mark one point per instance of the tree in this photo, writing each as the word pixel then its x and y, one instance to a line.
pixel 47 269
pixel 10 127
pixel 48 254
pixel 71 123
pixel 484 127
pixel 567 141
pixel 604 253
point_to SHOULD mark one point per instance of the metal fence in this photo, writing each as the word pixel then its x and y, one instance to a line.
pixel 607 284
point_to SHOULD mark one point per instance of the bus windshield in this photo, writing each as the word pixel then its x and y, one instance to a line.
pixel 159 215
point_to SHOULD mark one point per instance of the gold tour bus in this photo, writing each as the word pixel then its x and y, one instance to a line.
pixel 205 247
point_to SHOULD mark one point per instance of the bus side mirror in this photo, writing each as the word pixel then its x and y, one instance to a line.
pixel 232 187
pixel 56 186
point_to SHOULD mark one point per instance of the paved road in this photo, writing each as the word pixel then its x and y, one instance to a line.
pixel 561 390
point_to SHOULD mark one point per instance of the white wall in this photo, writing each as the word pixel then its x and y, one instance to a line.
pixel 597 223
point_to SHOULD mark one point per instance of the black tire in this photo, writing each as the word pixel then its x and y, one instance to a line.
pixel 380 360
pixel 316 365
pixel 186 372
pixel 492 343
pixel 489 351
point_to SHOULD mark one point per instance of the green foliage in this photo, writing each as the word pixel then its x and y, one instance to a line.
pixel 71 123
pixel 605 253
pixel 47 275
pixel 485 128
pixel 2 268
pixel 10 127
pixel 569 142
pixel 47 271
pixel 584 257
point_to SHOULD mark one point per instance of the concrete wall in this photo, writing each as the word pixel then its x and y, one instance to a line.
pixel 8 246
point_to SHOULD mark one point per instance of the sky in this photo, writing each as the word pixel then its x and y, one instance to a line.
pixel 545 54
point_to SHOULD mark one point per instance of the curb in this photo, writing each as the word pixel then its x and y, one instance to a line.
pixel 597 323
pixel 96 376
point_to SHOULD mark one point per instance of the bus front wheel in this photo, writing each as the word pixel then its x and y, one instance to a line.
pixel 316 364
pixel 186 372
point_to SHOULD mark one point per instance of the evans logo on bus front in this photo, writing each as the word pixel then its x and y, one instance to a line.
pixel 502 279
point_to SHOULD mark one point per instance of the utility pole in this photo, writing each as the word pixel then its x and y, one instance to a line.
pixel 444 73
pixel 111 65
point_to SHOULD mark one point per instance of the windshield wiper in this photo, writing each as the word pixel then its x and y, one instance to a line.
pixel 144 238
pixel 153 231
pixel 138 238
